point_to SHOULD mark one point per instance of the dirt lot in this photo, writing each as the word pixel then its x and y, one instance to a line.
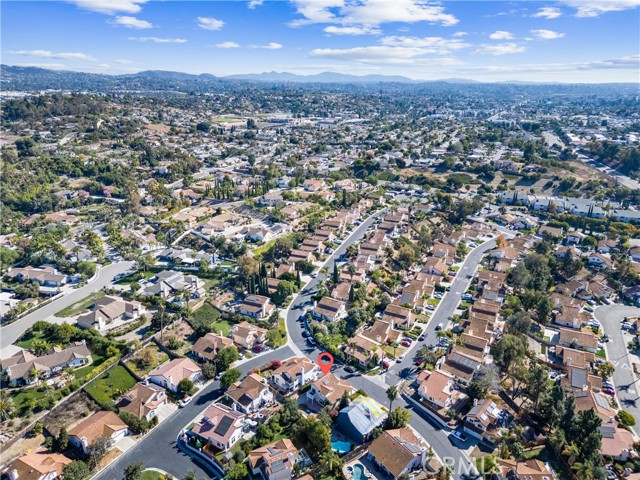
pixel 69 413
pixel 25 444
pixel 182 332
pixel 158 128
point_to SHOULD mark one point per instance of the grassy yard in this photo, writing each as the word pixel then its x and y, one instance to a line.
pixel 141 369
pixel 80 306
pixel 433 301
pixel 151 475
pixel 207 313
pixel 22 397
pixel 135 277
pixel 82 372
pixel 26 340
pixel 111 385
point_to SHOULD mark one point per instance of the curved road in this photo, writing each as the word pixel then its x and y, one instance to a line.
pixel 158 449
pixel 10 333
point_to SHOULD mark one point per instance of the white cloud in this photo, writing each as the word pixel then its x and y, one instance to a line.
pixel 227 45
pixel 110 7
pixel 158 40
pixel 124 61
pixel 595 8
pixel 354 30
pixel 48 54
pixel 132 22
pixel 460 34
pixel 432 45
pixel 546 34
pixel 269 46
pixel 370 12
pixel 619 63
pixel 500 49
pixel 548 13
pixel 255 3
pixel 50 66
pixel 501 35
pixel 382 54
pixel 100 66
pixel 208 23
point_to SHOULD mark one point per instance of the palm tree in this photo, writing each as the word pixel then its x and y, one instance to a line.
pixel 6 405
pixel 34 374
pixel 583 470
pixel 572 451
pixel 392 395
pixel 393 344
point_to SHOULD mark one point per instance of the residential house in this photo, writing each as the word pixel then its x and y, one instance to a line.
pixel 109 312
pixel 293 373
pixel 18 368
pixel 587 400
pixel 526 470
pixel 462 364
pixel 329 309
pixel 251 394
pixel 617 443
pixel 102 423
pixel 170 284
pixel 365 351
pixel 607 246
pixel 570 317
pixel 36 466
pixel 579 379
pixel 171 373
pixel 360 418
pixel 207 347
pixel 581 340
pixel 571 357
pixel 246 335
pixel 143 401
pixel 435 266
pixel 438 389
pixel 220 427
pixel 398 452
pixel 256 306
pixel 575 237
pixel 483 420
pixel 274 461
pixel 382 332
pixel 49 279
pixel 300 255
pixel 399 317
pixel 599 260
pixel 328 390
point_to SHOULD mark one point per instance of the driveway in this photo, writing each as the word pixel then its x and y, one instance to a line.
pixel 625 381
pixel 10 333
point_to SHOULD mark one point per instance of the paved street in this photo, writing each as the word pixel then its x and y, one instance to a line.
pixel 158 449
pixel 625 381
pixel 445 309
pixel 10 333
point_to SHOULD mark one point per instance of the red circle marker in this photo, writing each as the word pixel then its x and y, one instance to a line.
pixel 325 362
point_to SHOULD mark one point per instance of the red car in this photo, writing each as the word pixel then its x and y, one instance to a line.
pixel 405 343
pixel 608 390
pixel 385 364
pixel 257 348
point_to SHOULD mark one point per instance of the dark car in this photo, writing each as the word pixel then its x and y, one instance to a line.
pixel 257 348
pixel 305 334
pixel 422 338
pixel 349 369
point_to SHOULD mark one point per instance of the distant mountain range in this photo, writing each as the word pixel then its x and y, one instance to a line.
pixel 34 79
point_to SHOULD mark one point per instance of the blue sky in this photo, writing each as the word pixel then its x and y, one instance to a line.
pixel 565 41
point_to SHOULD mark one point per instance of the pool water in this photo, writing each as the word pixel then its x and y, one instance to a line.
pixel 358 472
pixel 340 446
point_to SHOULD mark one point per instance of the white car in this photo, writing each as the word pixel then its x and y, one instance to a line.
pixel 185 401
pixel 400 358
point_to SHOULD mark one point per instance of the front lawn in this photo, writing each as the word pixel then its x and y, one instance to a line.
pixel 22 398
pixel 80 306
pixel 82 372
pixel 111 385
pixel 433 301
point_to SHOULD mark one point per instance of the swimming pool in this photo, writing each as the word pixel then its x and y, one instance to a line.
pixel 358 472
pixel 340 446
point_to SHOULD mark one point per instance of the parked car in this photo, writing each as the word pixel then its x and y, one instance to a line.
pixel 185 401
pixel 349 369
pixel 607 384
pixel 305 334
pixel 459 436
pixel 400 358
pixel 257 348
pixel 589 309
pixel 439 327
pixel 422 337
pixel 431 307
pixel 385 364
pixel 608 391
